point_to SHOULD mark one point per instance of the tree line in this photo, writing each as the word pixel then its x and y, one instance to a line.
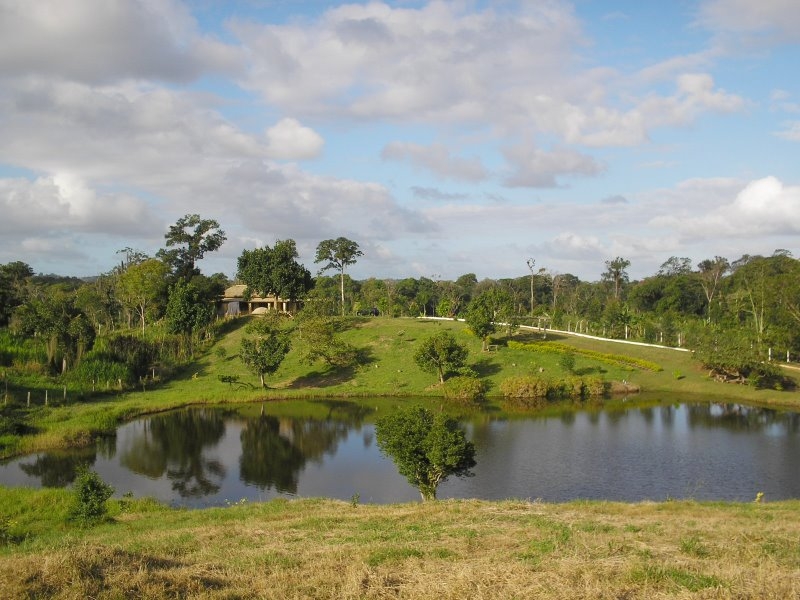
pixel 727 310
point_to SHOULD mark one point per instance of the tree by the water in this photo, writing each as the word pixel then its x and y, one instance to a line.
pixel 427 448
pixel 264 352
pixel 441 354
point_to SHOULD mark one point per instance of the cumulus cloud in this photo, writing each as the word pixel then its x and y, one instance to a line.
pixel 534 167
pixel 106 40
pixel 65 202
pixel 763 207
pixel 289 140
pixel 437 159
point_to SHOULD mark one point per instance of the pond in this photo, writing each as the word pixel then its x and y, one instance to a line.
pixel 625 451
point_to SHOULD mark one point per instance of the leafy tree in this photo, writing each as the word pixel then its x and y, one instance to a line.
pixel 491 306
pixel 143 286
pixel 441 354
pixel 320 342
pixel 275 271
pixel 192 237
pixel 188 313
pixel 264 352
pixel 732 355
pixel 711 272
pixel 616 274
pixel 426 448
pixel 338 254
pixel 13 277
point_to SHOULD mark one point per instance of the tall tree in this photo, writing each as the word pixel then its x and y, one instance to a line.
pixel 338 254
pixel 617 274
pixel 192 237
pixel 711 272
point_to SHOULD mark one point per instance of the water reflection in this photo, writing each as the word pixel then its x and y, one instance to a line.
pixel 625 451
pixel 175 444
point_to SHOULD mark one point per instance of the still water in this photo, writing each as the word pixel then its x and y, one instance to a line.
pixel 211 457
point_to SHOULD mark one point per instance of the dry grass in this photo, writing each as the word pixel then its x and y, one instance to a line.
pixel 452 549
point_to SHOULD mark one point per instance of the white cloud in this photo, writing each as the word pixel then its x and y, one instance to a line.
pixel 762 208
pixel 107 40
pixel 288 139
pixel 790 131
pixel 437 159
pixel 534 167
pixel 780 19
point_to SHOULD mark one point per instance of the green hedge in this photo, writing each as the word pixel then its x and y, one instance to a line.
pixel 611 359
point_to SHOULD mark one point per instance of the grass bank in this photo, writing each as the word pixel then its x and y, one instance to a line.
pixel 449 549
pixel 388 371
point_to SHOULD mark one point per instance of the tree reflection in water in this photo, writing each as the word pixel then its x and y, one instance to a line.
pixel 174 444
pixel 58 469
pixel 275 450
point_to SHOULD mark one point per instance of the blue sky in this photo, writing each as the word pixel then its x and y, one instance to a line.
pixel 444 137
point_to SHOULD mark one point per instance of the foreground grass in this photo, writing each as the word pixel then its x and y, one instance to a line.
pixel 389 371
pixel 451 549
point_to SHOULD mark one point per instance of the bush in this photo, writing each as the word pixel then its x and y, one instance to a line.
pixel 531 392
pixel 90 495
pixel 464 389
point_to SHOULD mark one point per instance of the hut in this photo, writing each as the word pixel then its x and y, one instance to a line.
pixel 234 302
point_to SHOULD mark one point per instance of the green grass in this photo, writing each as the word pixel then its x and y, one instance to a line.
pixel 389 372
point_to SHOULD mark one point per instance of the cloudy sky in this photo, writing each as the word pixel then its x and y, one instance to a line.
pixel 445 137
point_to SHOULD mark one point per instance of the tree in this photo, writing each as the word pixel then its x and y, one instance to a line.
pixel 275 271
pixel 711 272
pixel 264 352
pixel 486 309
pixel 338 254
pixel 441 354
pixel 90 495
pixel 320 342
pixel 13 277
pixel 426 448
pixel 616 274
pixel 143 286
pixel 188 312
pixel 192 237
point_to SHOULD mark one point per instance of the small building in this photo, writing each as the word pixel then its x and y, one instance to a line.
pixel 233 303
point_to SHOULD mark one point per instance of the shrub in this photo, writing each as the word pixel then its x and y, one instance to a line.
pixel 90 495
pixel 464 389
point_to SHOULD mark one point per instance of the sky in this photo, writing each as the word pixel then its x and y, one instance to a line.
pixel 445 137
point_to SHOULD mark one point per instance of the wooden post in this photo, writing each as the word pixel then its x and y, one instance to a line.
pixel 29 399
pixel 769 354
pixel 45 397
pixel 65 393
